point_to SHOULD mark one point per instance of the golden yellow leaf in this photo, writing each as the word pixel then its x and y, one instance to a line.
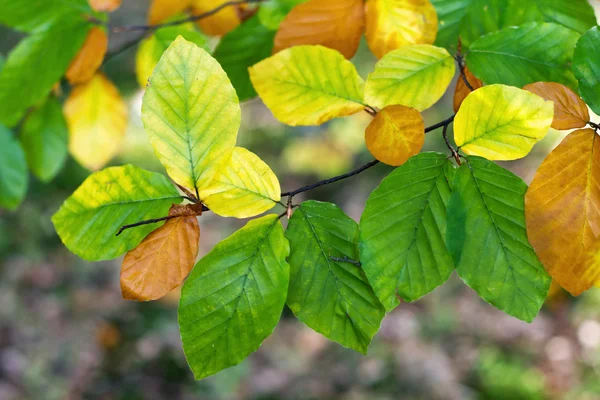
pixel 395 134
pixel 89 58
pixel 562 211
pixel 569 110
pixel 160 10
pixel 162 261
pixel 105 5
pixel 97 118
pixel 462 90
pixel 391 24
pixel 219 23
pixel 337 24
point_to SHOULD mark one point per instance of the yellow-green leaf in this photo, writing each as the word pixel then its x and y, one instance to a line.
pixel 245 187
pixel 415 76
pixel 501 122
pixel 308 85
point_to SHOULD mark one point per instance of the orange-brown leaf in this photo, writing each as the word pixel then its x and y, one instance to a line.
pixel 337 24
pixel 160 10
pixel 569 110
pixel 162 261
pixel 105 5
pixel 220 23
pixel 562 211
pixel 90 56
pixel 462 90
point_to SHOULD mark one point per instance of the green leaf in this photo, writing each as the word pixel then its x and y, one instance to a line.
pixel 13 171
pixel 577 15
pixel 89 220
pixel 332 297
pixel 450 17
pixel 2 60
pixel 534 52
pixel 35 65
pixel 402 230
pixel 44 137
pixel 487 239
pixel 234 297
pixel 241 48
pixel 586 67
pixel 191 114
pixel 271 13
pixel 38 15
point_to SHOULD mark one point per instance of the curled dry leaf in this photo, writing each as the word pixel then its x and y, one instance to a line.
pixel 90 56
pixel 395 134
pixel 186 210
pixel 160 10
pixel 105 5
pixel 570 111
pixel 219 23
pixel 462 90
pixel 337 24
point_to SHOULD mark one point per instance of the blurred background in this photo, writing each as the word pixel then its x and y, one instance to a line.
pixel 66 333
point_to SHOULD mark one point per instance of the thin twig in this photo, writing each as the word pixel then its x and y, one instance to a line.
pixel 371 111
pixel 445 122
pixel 346 260
pixel 594 126
pixel 461 68
pixel 146 222
pixel 452 149
pixel 126 46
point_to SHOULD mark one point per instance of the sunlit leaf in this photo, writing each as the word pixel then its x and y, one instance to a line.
pixel 160 10
pixel 219 23
pixel 234 297
pixel 13 171
pixel 586 67
pixel 39 15
pixel 487 239
pixel 97 118
pixel 403 229
pixel 562 209
pixel 105 5
pixel 450 18
pixel 89 58
pixel 569 110
pixel 338 25
pixel 243 188
pixel 395 134
pixel 501 122
pixel 297 86
pixel 392 24
pixel 462 90
pixel 191 114
pixel 415 76
pixel 330 296
pixel 272 12
pixel 89 220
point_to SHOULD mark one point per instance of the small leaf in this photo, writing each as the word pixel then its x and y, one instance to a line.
pixel 243 188
pixel 569 110
pixel 296 86
pixel 97 118
pixel 220 23
pixel 392 24
pixel 501 122
pixel 332 297
pixel 395 134
pixel 44 137
pixel 234 297
pixel 161 10
pixel 403 228
pixel 13 171
pixel 338 25
pixel 415 76
pixel 90 56
pixel 586 68
pixel 562 211
pixel 105 5
pixel 272 13
pixel 462 90
pixel 191 114
pixel 162 261
pixel 488 242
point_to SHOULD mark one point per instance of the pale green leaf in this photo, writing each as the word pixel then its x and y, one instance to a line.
pixel 13 171
pixel 586 66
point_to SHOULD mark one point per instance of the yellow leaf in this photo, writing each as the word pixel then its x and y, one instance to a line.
pixel 337 24
pixel 395 134
pixel 562 211
pixel 414 76
pixel 501 122
pixel 308 85
pixel 162 261
pixel 462 90
pixel 569 110
pixel 97 118
pixel 90 56
pixel 105 5
pixel 392 24
pixel 245 187
pixel 161 10
pixel 219 23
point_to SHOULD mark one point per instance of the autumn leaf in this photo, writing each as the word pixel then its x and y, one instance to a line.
pixel 105 5
pixel 337 24
pixel 462 90
pixel 569 110
pixel 161 10
pixel 219 23
pixel 88 60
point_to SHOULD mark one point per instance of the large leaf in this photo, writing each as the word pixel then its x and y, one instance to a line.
pixel 501 122
pixel 241 48
pixel 243 188
pixel 44 138
pixel 586 67
pixel 529 53
pixel 89 220
pixel 403 229
pixel 450 17
pixel 234 297
pixel 308 85
pixel 569 110
pixel 13 171
pixel 38 15
pixel 562 210
pixel 191 113
pixel 332 297
pixel 488 242
pixel 415 76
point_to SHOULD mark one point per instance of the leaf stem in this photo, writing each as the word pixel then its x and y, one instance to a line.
pixel 146 222
pixel 461 68
pixel 452 149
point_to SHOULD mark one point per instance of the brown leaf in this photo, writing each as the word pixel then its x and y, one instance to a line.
pixel 105 5
pixel 90 56
pixel 186 210
pixel 162 261
pixel 462 90
pixel 569 110
pixel 337 24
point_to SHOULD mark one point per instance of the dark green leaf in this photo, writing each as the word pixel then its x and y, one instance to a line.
pixel 450 19
pixel 39 15
pixel 13 171
pixel 586 67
